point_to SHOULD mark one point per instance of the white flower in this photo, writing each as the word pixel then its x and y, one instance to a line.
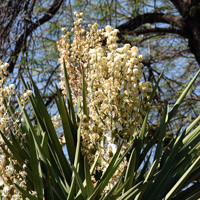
pixel 118 126
pixel 120 50
pixel 92 51
pixel 108 136
pixel 29 92
pixel 140 65
pixel 100 50
pixel 24 166
pixel 2 159
pixel 134 49
pixel 129 70
pixel 127 46
pixel 16 197
pixel 16 181
pixel 1 181
pixel 112 183
pixel 108 28
pixel 140 57
pixel 135 71
pixel 114 148
pixel 11 86
pixel 5 191
pixel 9 170
pixel 114 32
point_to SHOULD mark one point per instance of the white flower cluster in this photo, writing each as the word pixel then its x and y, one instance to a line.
pixel 8 175
pixel 116 97
pixel 6 93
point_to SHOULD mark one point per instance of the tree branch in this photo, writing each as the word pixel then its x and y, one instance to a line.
pixel 33 26
pixel 183 8
pixel 152 18
pixel 146 30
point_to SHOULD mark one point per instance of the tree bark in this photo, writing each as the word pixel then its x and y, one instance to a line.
pixel 193 30
pixel 187 26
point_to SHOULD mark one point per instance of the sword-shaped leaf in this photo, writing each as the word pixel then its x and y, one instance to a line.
pixel 66 127
pixel 181 181
pixel 36 169
pixel 89 186
pixel 69 96
pixel 26 193
pixel 180 99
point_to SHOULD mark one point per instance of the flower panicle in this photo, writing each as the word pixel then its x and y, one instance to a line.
pixel 116 97
pixel 9 176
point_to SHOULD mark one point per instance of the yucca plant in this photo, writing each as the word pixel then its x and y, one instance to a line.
pixel 120 166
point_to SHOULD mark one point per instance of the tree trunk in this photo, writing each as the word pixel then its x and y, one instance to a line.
pixel 193 30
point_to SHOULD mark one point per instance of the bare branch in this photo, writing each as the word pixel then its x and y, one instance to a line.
pixel 33 26
pixel 146 30
pixel 151 18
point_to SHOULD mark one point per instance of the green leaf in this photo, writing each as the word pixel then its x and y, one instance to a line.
pixel 119 188
pixel 69 96
pixel 85 109
pixel 162 134
pixel 96 193
pixel 25 193
pixel 89 186
pixel 32 131
pixel 44 144
pixel 188 192
pixel 190 137
pixel 194 196
pixel 12 149
pixel 55 150
pixel 170 147
pixel 144 169
pixel 5 151
pixel 180 99
pixel 160 182
pixel 80 184
pixel 91 172
pixel 192 125
pixel 36 169
pixel 110 166
pixel 190 143
pixel 53 138
pixel 130 171
pixel 76 166
pixel 72 188
pixel 193 176
pixel 143 129
pixel 110 195
pixel 66 127
pixel 155 87
pixel 131 193
pixel 94 164
pixel 149 174
pixel 149 145
pixel 18 148
pixel 78 106
pixel 181 181
pixel 113 166
pixel 78 147
pixel 166 172
pixel 49 190
pixel 55 174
